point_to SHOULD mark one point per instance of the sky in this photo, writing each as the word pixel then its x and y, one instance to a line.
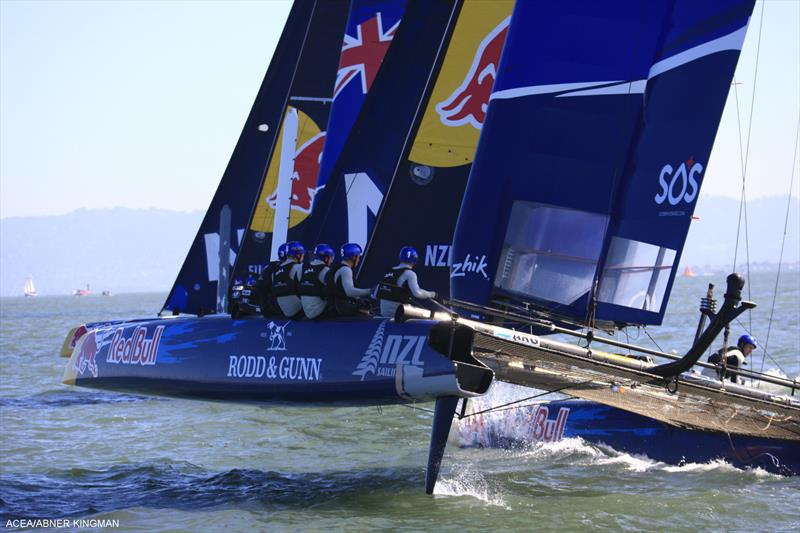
pixel 139 104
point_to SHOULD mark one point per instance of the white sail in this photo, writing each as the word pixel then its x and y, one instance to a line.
pixel 29 289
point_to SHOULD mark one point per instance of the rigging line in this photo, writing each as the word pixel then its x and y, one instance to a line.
pixel 747 155
pixel 783 242
pixel 749 129
pixel 766 354
pixel 652 339
pixel 506 406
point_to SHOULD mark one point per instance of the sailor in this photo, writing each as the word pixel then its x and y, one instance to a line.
pixel 400 284
pixel 312 282
pixel 344 299
pixel 263 288
pixel 735 358
pixel 285 281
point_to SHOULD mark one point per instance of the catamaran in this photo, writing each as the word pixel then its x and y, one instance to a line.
pixel 593 126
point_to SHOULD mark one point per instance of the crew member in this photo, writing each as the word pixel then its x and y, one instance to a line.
pixel 343 296
pixel 735 358
pixel 400 284
pixel 312 282
pixel 264 295
pixel 285 281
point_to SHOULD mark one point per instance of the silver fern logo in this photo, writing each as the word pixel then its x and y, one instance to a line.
pixel 369 363
pixel 386 352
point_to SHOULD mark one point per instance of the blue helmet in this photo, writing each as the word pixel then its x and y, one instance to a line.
pixel 350 250
pixel 295 249
pixel 409 255
pixel 747 339
pixel 282 252
pixel 324 250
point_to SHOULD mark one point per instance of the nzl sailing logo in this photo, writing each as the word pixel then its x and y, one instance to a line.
pixel 385 353
pixel 277 336
pixel 682 184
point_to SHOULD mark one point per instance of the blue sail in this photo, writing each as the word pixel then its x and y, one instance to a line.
pixel 593 153
pixel 290 167
pixel 345 210
pixel 428 185
pixel 202 282
pixel 371 26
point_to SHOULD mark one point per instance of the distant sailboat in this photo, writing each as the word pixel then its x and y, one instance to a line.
pixel 688 272
pixel 29 289
pixel 82 292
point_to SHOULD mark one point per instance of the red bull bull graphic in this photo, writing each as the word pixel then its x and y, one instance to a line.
pixel 304 178
pixel 136 349
pixel 85 360
pixel 306 165
pixel 363 53
pixel 449 131
pixel 468 103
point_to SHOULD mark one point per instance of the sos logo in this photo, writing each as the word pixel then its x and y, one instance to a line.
pixel 679 185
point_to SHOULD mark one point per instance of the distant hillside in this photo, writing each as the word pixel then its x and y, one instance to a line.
pixel 133 250
pixel 712 238
pixel 119 249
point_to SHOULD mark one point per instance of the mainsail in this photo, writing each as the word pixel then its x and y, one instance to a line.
pixel 426 188
pixel 289 183
pixel 345 210
pixel 593 154
pixel 371 27
pixel 202 282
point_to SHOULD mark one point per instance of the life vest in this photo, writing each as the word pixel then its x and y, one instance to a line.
pixel 333 287
pixel 734 358
pixel 310 285
pixel 283 284
pixel 389 289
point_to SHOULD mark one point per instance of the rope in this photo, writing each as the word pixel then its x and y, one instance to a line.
pixel 783 244
pixel 506 406
pixel 652 340
pixel 743 200
pixel 766 353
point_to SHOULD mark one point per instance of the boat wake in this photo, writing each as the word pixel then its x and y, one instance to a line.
pixel 183 486
pixel 67 398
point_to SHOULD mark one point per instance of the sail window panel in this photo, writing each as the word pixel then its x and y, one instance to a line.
pixel 636 274
pixel 550 253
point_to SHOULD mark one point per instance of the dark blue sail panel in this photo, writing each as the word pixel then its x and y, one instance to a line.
pixel 684 100
pixel 346 209
pixel 371 26
pixel 203 279
pixel 557 174
pixel 289 175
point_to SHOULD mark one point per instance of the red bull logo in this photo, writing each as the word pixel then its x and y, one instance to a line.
pixel 85 360
pixel 547 430
pixel 136 349
pixel 304 179
pixel 468 103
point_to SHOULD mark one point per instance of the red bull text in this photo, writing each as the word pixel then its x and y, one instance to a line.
pixel 136 349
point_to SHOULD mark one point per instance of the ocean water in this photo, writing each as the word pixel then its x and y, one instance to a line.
pixel 169 465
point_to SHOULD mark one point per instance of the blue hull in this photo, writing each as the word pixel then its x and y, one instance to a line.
pixel 631 433
pixel 361 361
